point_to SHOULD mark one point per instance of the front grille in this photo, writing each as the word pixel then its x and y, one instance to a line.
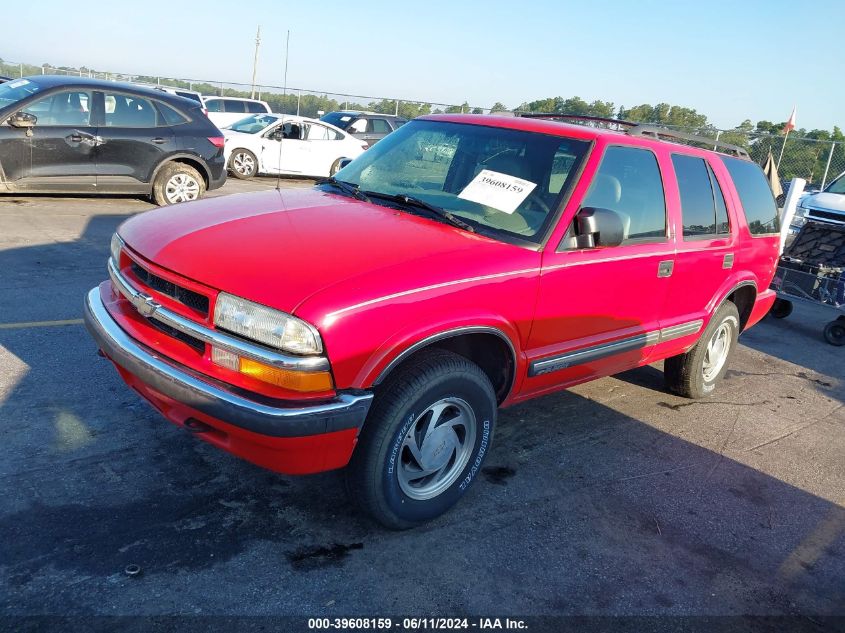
pixel 193 300
pixel 826 215
pixel 178 335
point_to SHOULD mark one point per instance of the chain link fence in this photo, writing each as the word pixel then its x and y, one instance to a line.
pixel 817 161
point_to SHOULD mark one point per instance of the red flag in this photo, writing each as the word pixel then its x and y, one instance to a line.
pixel 790 125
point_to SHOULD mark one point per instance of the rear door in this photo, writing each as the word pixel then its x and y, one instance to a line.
pixel 133 139
pixel 707 247
pixel 62 144
pixel 599 309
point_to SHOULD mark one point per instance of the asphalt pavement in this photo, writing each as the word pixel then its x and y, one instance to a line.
pixel 614 498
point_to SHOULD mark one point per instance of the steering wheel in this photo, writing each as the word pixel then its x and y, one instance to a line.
pixel 534 198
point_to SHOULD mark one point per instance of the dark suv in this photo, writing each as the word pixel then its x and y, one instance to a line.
pixel 76 135
pixel 370 127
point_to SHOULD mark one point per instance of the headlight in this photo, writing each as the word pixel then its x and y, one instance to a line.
pixel 116 246
pixel 265 325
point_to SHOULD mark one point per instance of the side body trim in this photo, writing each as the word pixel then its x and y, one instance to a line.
pixel 597 352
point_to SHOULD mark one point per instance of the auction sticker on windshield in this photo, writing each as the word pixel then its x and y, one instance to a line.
pixel 500 191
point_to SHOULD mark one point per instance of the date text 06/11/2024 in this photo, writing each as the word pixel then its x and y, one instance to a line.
pixel 416 624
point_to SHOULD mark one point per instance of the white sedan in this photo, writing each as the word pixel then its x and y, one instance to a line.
pixel 286 144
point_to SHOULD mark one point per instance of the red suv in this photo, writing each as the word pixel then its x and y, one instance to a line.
pixel 465 263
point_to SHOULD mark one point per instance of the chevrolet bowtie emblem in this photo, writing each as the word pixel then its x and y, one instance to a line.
pixel 145 304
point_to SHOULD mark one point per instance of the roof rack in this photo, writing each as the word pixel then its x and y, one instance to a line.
pixel 661 134
pixel 590 121
pixel 641 129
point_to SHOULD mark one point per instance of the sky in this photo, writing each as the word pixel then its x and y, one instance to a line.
pixel 729 60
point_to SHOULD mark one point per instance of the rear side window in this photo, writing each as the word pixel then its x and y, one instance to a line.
pixel 124 110
pixel 169 115
pixel 756 197
pixel 723 225
pixel 230 105
pixel 698 208
pixel 628 181
pixel 255 107
pixel 379 126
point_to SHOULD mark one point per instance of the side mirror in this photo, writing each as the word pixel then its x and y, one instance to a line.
pixel 22 120
pixel 343 163
pixel 595 226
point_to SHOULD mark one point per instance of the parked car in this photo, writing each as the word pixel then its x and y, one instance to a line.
pixel 378 320
pixel 821 206
pixel 182 92
pixel 223 111
pixel 77 135
pixel 4 79
pixel 370 127
pixel 286 144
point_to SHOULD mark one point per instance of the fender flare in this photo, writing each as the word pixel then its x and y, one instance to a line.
pixel 401 351
pixel 170 158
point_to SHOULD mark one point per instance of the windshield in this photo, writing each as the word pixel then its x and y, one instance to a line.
pixel 16 90
pixel 837 186
pixel 497 180
pixel 254 124
pixel 338 119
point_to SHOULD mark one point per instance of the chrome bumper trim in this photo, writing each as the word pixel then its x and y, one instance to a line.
pixel 150 309
pixel 345 411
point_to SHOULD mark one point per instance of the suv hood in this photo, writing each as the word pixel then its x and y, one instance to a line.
pixel 279 248
pixel 825 201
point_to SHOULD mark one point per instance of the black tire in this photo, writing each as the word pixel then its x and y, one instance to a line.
pixel 401 406
pixel 834 332
pixel 244 159
pixel 335 167
pixel 781 309
pixel 162 193
pixel 685 373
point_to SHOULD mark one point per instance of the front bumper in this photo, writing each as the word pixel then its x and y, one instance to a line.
pixel 181 394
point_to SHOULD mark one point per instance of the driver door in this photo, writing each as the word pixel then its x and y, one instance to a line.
pixel 283 150
pixel 599 309
pixel 62 145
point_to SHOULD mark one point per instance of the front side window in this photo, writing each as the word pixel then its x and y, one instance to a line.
pixel 124 110
pixel 501 182
pixel 214 105
pixel 755 195
pixel 70 108
pixel 628 181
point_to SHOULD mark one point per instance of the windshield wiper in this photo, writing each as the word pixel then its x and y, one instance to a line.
pixel 410 201
pixel 347 187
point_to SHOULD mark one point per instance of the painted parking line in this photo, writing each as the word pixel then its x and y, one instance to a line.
pixel 30 324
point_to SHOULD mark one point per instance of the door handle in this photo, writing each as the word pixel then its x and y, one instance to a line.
pixel 665 268
pixel 159 140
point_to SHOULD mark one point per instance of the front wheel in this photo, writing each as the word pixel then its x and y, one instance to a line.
pixel 834 332
pixel 427 434
pixel 243 164
pixel 696 373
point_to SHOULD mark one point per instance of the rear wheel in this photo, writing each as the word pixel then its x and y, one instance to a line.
pixel 781 309
pixel 335 167
pixel 424 441
pixel 696 373
pixel 177 182
pixel 243 164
